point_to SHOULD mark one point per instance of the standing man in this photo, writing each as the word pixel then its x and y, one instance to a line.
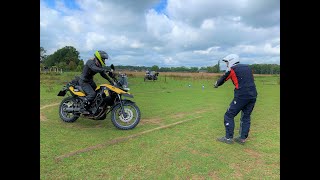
pixel 245 95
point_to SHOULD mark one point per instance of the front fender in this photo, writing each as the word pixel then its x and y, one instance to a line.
pixel 127 95
pixel 124 101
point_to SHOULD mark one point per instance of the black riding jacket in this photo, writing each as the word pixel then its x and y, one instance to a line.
pixel 243 80
pixel 90 69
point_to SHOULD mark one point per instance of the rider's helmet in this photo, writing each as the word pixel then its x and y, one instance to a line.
pixel 101 56
pixel 231 60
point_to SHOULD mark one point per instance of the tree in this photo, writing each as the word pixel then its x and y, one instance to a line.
pixel 164 69
pixel 214 69
pixel 155 68
pixel 72 66
pixel 265 68
pixel 42 54
pixel 194 69
pixel 63 56
pixel 62 65
pixel 79 68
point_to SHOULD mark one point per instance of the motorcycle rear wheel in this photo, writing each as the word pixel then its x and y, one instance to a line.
pixel 127 120
pixel 67 116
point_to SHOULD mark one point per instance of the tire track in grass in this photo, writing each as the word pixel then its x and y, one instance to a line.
pixel 120 139
pixel 49 105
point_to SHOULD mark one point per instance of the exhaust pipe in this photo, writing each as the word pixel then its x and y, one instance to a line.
pixel 70 109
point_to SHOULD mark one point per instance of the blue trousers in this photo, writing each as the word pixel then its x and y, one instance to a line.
pixel 245 106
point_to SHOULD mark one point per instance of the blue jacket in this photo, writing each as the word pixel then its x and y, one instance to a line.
pixel 243 80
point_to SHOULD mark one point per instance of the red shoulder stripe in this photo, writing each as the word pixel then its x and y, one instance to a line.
pixel 233 77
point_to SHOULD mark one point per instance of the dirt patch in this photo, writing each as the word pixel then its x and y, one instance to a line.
pixel 198 177
pixel 244 168
pixel 213 175
pixel 200 111
pixel 99 125
pixel 183 114
pixel 257 162
pixel 195 152
pixel 50 105
pixel 237 170
pixel 43 117
pixel 252 153
pixel 120 139
pixel 255 155
pixel 179 115
pixel 157 121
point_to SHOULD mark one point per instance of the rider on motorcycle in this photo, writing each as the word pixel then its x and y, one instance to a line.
pixel 92 67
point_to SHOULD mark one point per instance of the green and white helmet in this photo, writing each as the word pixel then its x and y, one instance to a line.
pixel 101 56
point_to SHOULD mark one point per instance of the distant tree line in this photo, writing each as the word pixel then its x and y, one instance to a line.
pixel 256 68
pixel 265 68
pixel 67 58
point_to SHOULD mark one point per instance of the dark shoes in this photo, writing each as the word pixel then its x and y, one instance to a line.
pixel 225 140
pixel 230 141
pixel 239 140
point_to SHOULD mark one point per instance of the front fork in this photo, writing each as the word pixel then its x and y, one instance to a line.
pixel 122 109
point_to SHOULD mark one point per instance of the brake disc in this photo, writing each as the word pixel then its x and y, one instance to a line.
pixel 128 115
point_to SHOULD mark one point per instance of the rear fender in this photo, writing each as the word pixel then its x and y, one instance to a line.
pixel 76 92
pixel 63 91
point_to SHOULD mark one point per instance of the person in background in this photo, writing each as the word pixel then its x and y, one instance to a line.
pixel 245 96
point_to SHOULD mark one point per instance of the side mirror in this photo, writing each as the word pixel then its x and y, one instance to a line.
pixel 112 66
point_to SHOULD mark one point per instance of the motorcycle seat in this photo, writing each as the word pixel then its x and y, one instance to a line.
pixel 78 88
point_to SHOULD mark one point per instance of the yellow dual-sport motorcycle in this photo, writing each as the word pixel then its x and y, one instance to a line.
pixel 125 114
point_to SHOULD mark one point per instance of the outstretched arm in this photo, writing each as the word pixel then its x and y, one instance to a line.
pixel 222 79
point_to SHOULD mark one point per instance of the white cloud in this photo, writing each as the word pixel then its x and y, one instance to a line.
pixel 207 24
pixel 187 33
pixel 210 50
pixel 136 44
pixel 158 25
pixel 169 61
pixel 266 49
pixel 73 24
pixel 92 39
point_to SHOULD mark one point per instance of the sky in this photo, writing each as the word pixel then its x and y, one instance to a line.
pixel 166 33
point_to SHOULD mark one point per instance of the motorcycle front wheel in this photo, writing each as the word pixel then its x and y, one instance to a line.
pixel 126 119
pixel 66 116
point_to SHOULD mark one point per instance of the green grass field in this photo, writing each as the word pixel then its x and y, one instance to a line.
pixel 175 138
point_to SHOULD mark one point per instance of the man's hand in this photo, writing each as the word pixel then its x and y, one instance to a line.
pixel 215 85
pixel 110 73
